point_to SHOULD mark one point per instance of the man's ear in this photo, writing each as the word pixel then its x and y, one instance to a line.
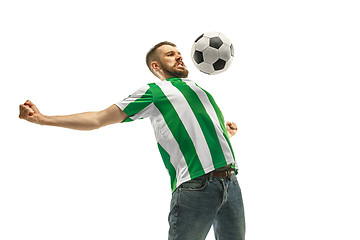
pixel 155 66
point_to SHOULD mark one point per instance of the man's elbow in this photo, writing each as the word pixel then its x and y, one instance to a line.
pixel 109 116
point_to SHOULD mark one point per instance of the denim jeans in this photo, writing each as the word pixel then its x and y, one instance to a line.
pixel 202 202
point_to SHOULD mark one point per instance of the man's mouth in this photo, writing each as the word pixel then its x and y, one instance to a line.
pixel 180 64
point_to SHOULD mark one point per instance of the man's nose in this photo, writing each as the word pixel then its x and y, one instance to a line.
pixel 178 57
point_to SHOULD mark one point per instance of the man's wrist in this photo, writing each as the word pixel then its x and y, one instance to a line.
pixel 46 120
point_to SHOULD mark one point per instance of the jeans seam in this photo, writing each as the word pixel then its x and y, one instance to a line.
pixel 177 209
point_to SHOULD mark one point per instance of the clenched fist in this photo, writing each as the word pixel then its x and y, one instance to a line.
pixel 231 128
pixel 29 112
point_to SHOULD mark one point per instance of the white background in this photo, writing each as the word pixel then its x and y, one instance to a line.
pixel 293 89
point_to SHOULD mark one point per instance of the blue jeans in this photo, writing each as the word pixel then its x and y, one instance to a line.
pixel 202 202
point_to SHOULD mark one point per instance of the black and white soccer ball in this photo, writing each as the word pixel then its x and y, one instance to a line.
pixel 212 53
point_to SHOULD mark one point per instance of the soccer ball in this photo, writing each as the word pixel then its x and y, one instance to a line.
pixel 212 53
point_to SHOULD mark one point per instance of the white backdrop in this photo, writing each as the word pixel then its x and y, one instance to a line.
pixel 293 90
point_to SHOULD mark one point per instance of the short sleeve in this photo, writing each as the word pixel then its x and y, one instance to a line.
pixel 138 105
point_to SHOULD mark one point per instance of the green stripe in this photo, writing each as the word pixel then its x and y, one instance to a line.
pixel 139 104
pixel 178 130
pixel 221 120
pixel 172 172
pixel 228 141
pixel 204 121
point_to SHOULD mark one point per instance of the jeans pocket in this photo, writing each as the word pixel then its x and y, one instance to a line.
pixel 194 185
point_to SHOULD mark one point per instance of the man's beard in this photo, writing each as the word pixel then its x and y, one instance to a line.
pixel 174 73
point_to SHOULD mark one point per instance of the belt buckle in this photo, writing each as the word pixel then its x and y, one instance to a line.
pixel 229 172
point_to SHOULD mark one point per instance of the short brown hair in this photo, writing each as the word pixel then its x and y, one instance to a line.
pixel 151 55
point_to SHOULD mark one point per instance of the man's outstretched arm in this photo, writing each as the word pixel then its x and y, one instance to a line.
pixel 80 121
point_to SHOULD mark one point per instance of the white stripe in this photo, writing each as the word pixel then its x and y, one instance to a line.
pixel 212 113
pixel 170 145
pixel 190 122
pixel 136 95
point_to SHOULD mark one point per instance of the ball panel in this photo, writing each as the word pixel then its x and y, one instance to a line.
pixel 232 50
pixel 199 37
pixel 211 55
pixel 215 42
pixel 224 39
pixel 202 44
pixel 225 52
pixel 206 68
pixel 219 65
pixel 227 65
pixel 198 57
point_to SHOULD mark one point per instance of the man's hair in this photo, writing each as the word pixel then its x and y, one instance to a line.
pixel 152 55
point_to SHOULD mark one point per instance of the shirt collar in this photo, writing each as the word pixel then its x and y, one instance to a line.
pixel 173 79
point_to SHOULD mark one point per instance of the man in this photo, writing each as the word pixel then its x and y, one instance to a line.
pixel 193 141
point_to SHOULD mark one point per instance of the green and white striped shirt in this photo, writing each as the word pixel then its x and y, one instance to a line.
pixel 189 127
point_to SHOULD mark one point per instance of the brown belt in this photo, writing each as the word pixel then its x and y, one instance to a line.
pixel 221 173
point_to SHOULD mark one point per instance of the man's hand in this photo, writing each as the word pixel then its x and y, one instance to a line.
pixel 29 112
pixel 231 128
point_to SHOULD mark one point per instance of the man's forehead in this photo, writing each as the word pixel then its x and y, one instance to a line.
pixel 167 48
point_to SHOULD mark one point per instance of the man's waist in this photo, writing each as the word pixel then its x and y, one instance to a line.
pixel 222 172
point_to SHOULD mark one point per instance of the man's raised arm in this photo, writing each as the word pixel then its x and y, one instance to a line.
pixel 80 121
